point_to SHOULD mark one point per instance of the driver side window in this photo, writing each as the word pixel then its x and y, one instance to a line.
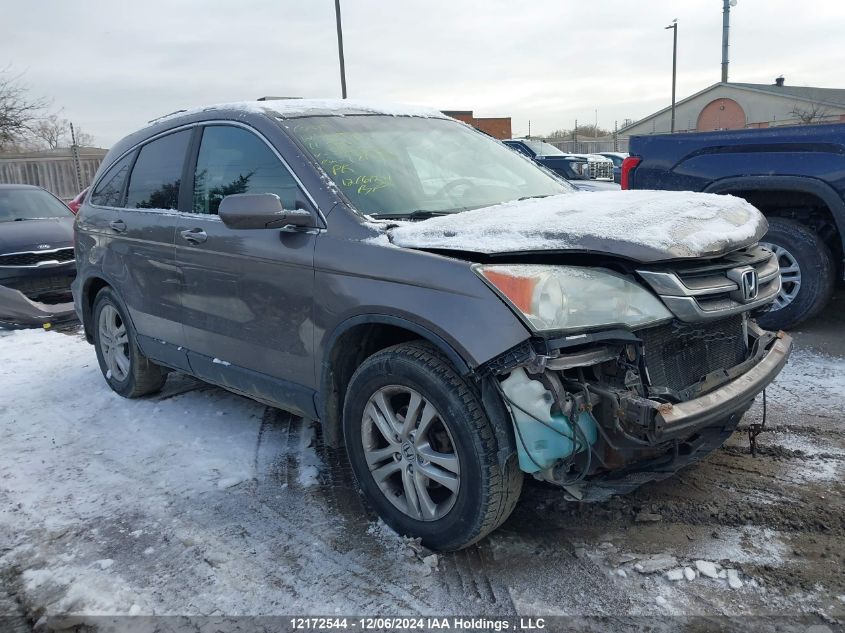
pixel 233 160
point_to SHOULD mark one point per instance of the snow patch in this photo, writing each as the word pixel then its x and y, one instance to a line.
pixel 817 377
pixel 733 579
pixel 310 463
pixel 707 568
pixel 379 240
pixel 285 108
pixel 230 482
pixel 72 590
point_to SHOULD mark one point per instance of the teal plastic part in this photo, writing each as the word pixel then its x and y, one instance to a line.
pixel 541 446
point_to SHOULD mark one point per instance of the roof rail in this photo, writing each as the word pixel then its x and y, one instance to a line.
pixel 164 116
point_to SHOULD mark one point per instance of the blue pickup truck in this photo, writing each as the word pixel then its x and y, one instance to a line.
pixel 795 175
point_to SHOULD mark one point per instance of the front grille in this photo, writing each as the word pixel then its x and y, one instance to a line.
pixel 52 289
pixel 35 258
pixel 678 354
pixel 700 290
pixel 601 170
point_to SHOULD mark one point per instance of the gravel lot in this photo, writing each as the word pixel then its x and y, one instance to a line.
pixel 199 502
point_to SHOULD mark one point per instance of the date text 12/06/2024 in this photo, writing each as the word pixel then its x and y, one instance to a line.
pixel 417 624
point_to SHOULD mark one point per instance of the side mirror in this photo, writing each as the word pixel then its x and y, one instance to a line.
pixel 261 211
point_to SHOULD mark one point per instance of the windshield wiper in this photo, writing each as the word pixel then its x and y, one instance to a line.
pixel 544 195
pixel 419 214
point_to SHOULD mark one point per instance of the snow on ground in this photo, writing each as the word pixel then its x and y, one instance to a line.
pixel 195 501
pixel 665 223
pixel 819 377
pixel 61 410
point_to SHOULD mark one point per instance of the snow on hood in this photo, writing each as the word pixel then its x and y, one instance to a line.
pixel 641 225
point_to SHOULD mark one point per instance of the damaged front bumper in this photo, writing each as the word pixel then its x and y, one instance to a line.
pixel 679 419
pixel 593 403
pixel 17 310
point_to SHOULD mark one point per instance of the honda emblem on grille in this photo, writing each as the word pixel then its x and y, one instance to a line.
pixel 749 286
pixel 745 277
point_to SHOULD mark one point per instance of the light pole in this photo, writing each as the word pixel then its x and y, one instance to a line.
pixel 340 49
pixel 674 27
pixel 726 26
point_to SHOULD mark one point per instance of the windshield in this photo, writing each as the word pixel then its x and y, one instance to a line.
pixel 397 166
pixel 30 204
pixel 541 148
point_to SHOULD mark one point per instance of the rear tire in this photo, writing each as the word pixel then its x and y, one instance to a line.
pixel 127 371
pixel 807 273
pixel 449 426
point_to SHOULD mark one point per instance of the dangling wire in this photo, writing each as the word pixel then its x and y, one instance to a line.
pixel 756 428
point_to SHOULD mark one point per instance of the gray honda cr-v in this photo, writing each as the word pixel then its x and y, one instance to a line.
pixel 451 312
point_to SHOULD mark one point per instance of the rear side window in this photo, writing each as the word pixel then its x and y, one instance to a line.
pixel 233 160
pixel 109 191
pixel 155 179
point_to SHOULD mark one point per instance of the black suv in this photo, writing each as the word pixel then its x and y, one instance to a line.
pixel 452 313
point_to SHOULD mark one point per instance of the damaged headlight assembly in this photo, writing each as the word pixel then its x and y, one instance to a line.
pixel 551 425
pixel 551 298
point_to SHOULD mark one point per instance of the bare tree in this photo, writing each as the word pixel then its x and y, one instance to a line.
pixel 811 113
pixel 52 131
pixel 83 139
pixel 18 111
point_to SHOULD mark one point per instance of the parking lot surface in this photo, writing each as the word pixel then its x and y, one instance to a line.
pixel 199 502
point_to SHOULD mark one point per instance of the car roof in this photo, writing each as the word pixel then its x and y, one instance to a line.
pixel 290 108
pixel 272 109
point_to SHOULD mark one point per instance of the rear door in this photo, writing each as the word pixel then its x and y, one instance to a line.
pixel 134 207
pixel 247 294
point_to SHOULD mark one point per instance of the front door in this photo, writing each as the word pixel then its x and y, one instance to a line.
pixel 247 294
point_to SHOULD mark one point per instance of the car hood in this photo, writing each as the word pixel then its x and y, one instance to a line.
pixel 36 235
pixel 645 226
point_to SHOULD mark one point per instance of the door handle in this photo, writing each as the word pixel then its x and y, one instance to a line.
pixel 118 226
pixel 194 236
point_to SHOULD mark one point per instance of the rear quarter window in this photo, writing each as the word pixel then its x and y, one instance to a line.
pixel 109 190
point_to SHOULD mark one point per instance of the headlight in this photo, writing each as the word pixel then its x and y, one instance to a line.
pixel 570 297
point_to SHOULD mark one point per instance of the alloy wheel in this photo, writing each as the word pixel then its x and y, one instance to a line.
pixel 410 453
pixel 114 341
pixel 790 275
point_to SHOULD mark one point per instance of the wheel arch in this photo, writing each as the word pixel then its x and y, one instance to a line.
pixel 354 340
pixel 776 195
pixel 90 289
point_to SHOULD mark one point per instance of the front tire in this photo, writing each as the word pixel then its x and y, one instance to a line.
pixel 807 274
pixel 423 451
pixel 125 368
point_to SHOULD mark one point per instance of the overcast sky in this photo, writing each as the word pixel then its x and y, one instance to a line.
pixel 113 65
